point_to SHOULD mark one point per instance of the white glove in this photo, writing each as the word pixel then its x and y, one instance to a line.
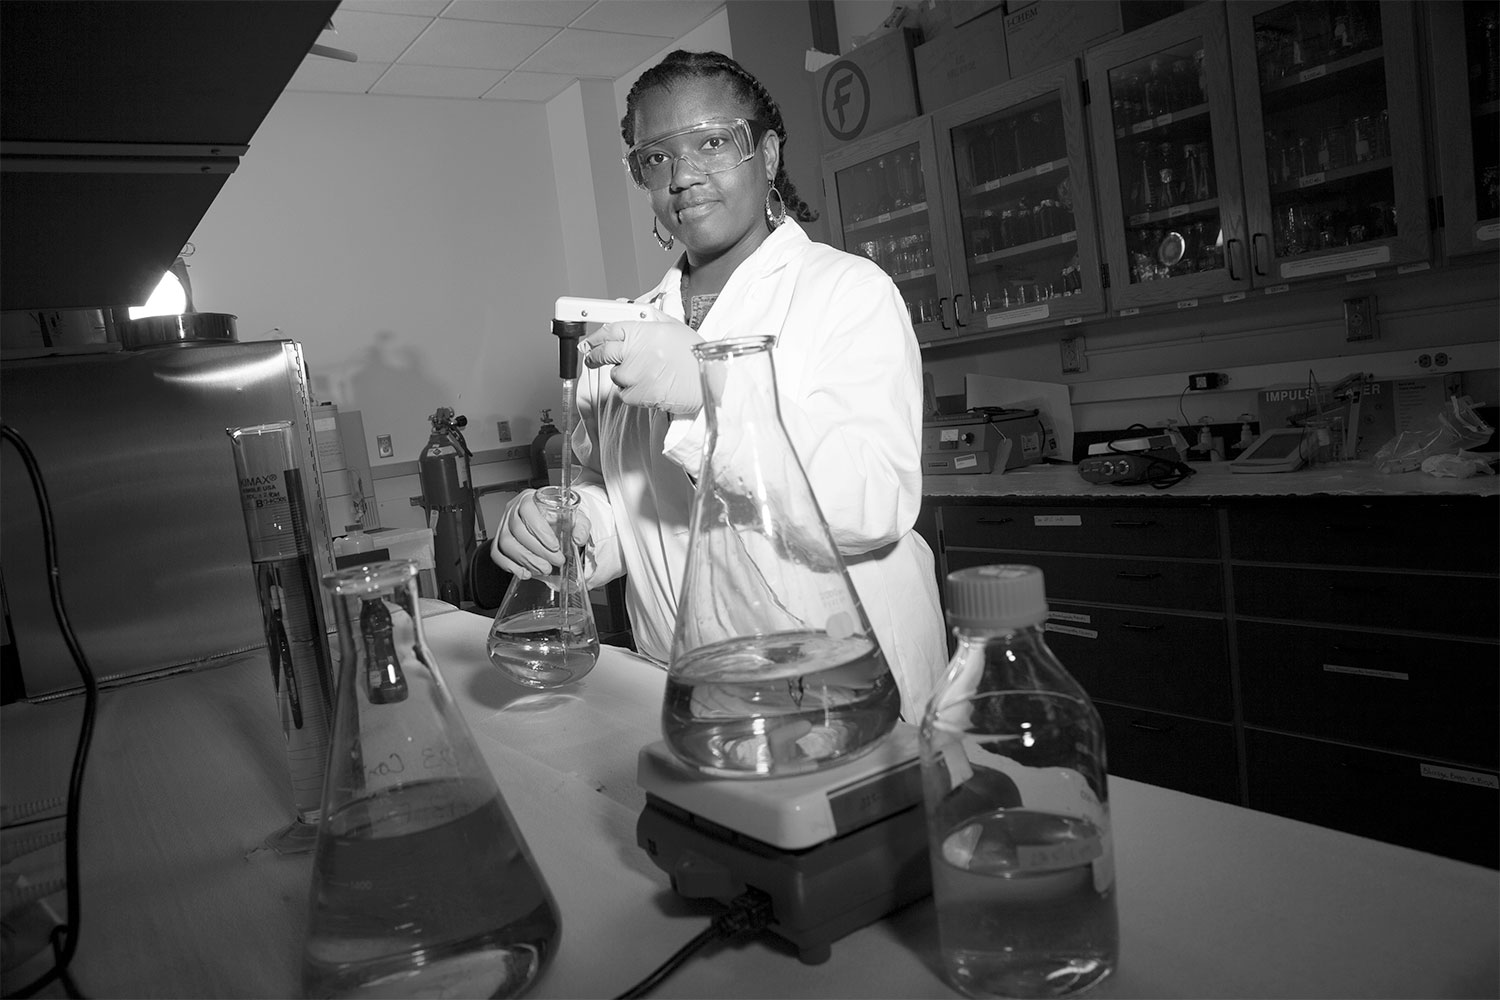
pixel 526 545
pixel 654 363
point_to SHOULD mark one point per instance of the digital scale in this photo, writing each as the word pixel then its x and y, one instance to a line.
pixel 835 849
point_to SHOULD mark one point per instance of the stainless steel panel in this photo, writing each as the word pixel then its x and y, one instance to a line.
pixel 154 564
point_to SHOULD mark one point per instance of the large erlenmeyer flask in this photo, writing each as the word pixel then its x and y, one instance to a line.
pixel 422 884
pixel 775 669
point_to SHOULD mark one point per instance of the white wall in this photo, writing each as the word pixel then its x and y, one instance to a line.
pixel 412 246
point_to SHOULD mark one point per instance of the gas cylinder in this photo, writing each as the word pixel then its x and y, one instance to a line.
pixel 448 500
pixel 539 456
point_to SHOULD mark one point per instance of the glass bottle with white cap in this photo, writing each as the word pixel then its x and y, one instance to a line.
pixel 1017 804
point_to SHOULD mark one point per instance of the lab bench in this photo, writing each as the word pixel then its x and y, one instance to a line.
pixel 1321 644
pixel 188 773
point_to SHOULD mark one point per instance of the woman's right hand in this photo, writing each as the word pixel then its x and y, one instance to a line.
pixel 526 545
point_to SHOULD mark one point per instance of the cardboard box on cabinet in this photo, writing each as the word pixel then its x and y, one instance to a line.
pixel 871 88
pixel 962 61
pixel 1041 33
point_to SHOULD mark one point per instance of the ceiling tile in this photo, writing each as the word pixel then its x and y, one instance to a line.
pixel 422 8
pixel 662 18
pixel 436 81
pixel 335 76
pixel 522 86
pixel 476 44
pixel 593 54
pixel 377 37
pixel 556 13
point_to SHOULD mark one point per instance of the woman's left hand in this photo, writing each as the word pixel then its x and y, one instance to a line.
pixel 654 363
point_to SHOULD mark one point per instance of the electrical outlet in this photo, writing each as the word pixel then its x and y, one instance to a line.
pixel 1073 359
pixel 502 428
pixel 383 446
pixel 1359 318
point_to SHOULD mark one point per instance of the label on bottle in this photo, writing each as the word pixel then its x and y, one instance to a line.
pixel 1233 296
pixel 1052 857
pixel 1395 675
pixel 1082 633
pixel 1459 775
pixel 1317 72
pixel 1488 231
pixel 1347 261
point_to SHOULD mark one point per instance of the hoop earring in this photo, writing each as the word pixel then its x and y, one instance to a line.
pixel 665 244
pixel 773 221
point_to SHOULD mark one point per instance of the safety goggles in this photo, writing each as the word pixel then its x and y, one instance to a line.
pixel 710 147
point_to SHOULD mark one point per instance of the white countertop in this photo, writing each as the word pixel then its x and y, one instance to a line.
pixel 187 775
pixel 1213 479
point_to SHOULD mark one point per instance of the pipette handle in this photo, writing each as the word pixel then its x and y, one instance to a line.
pixel 571 314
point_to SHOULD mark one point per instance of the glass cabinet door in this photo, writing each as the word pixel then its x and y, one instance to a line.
pixel 1324 87
pixel 884 203
pixel 1466 110
pixel 1171 211
pixel 1023 223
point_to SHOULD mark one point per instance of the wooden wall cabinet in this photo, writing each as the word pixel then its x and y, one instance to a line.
pixel 1331 659
pixel 983 215
pixel 1466 106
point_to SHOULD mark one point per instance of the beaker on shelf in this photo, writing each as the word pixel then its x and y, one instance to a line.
pixel 774 668
pixel 544 634
pixel 422 883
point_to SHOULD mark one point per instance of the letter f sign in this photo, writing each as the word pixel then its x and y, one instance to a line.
pixel 841 96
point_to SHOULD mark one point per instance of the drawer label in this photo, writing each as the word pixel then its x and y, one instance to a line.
pixel 1461 776
pixel 1395 675
pixel 1058 521
pixel 1082 633
pixel 1070 616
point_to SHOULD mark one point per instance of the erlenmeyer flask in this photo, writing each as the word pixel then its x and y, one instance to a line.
pixel 544 634
pixel 422 884
pixel 774 669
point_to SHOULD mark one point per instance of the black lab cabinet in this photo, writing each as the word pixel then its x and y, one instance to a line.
pixel 1328 658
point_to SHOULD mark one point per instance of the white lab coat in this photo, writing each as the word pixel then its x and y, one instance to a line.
pixel 849 379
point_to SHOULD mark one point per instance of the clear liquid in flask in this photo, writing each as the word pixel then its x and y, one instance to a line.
pixel 780 704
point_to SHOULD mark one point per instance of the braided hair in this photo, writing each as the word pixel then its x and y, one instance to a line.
pixel 680 65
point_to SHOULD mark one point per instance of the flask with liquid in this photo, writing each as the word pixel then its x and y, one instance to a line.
pixel 422 883
pixel 544 634
pixel 1013 773
pixel 774 668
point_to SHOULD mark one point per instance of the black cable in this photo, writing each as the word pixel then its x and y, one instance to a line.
pixel 68 932
pixel 749 911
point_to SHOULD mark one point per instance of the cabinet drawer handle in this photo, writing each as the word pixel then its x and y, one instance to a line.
pixel 1256 240
pixel 1132 627
pixel 956 321
pixel 1138 576
pixel 1229 258
pixel 1132 524
pixel 1148 727
pixel 993 520
pixel 943 312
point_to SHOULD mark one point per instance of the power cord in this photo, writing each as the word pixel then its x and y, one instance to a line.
pixel 65 935
pixel 749 911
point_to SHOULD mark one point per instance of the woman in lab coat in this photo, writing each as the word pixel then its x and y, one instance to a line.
pixel 705 142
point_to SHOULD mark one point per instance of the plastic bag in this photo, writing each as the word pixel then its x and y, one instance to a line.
pixel 1455 427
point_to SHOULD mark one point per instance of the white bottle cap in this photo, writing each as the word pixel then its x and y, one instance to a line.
pixel 996 597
